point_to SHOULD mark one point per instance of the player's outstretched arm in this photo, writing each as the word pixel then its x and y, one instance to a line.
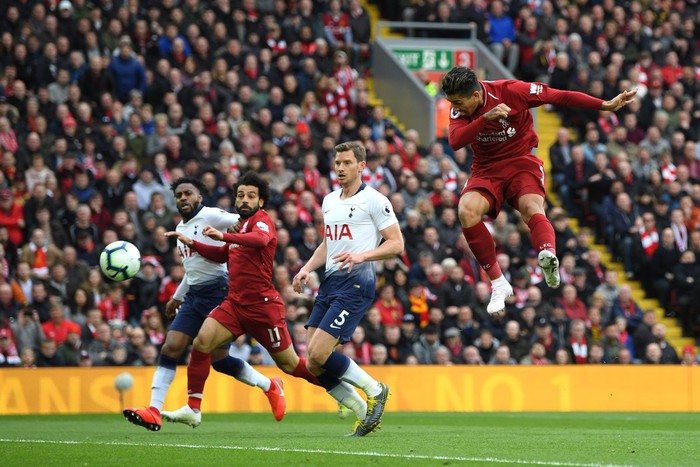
pixel 317 260
pixel 582 100
pixel 393 245
pixel 184 239
pixel 619 101
pixel 212 233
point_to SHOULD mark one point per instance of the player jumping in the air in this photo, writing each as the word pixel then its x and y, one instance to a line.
pixel 494 118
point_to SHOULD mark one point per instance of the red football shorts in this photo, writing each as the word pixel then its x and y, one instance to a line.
pixel 264 322
pixel 507 180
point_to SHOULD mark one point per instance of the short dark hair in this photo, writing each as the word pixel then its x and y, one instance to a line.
pixel 254 179
pixel 197 183
pixel 357 149
pixel 460 81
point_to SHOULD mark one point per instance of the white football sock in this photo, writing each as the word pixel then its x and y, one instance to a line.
pixel 360 379
pixel 501 281
pixel 162 379
pixel 252 377
pixel 346 395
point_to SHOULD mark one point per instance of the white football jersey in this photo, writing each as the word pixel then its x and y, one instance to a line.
pixel 353 225
pixel 199 270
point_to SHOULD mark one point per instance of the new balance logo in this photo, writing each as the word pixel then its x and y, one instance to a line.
pixel 535 88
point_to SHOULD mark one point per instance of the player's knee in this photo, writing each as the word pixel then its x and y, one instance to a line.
pixel 171 350
pixel 203 344
pixel 469 215
pixel 315 359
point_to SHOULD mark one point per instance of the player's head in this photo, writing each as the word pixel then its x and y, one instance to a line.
pixel 350 161
pixel 461 87
pixel 188 195
pixel 252 193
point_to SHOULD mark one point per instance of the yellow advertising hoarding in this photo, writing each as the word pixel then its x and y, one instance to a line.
pixel 414 389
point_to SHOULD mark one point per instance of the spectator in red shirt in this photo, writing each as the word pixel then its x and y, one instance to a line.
pixel 573 306
pixel 671 71
pixel 336 25
pixel 8 350
pixel 170 283
pixel 390 308
pixel 114 307
pixel 12 217
pixel 57 328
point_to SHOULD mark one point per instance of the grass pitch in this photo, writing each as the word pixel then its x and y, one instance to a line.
pixel 569 439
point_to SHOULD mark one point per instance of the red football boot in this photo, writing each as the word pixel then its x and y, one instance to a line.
pixel 149 418
pixel 276 397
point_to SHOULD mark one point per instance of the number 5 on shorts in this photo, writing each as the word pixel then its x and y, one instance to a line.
pixel 340 320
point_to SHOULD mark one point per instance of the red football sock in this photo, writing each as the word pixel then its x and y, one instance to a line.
pixel 481 243
pixel 542 233
pixel 302 372
pixel 197 374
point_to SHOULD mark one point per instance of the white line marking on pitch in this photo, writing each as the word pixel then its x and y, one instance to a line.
pixel 304 451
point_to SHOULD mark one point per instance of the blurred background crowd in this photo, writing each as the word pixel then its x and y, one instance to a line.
pixel 103 103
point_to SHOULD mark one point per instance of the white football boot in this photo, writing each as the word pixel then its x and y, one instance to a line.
pixel 500 292
pixel 550 267
pixel 183 415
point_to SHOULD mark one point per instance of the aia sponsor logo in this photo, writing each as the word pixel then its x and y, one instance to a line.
pixel 184 251
pixel 338 232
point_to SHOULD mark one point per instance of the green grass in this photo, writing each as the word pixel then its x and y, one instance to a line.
pixel 317 439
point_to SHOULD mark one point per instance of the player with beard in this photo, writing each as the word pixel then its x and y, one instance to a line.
pixel 253 305
pixel 360 228
pixel 494 118
pixel 202 289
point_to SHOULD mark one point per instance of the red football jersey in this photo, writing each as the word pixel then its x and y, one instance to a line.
pixel 515 135
pixel 250 268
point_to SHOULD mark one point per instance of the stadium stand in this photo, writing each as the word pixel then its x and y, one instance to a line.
pixel 103 104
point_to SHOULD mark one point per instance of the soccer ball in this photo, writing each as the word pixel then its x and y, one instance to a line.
pixel 120 260
pixel 123 381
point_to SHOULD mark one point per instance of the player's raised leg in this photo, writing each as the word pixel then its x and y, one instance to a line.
pixel 472 208
pixel 289 362
pixel 531 207
pixel 221 327
pixel 149 417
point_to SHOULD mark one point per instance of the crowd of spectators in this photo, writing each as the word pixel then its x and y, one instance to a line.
pixel 103 103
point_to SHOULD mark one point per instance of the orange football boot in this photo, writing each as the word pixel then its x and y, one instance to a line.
pixel 276 397
pixel 149 418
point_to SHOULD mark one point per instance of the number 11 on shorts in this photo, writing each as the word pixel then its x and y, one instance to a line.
pixel 274 336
